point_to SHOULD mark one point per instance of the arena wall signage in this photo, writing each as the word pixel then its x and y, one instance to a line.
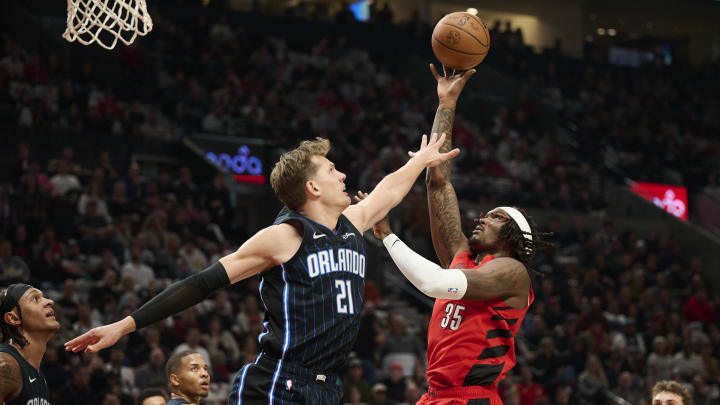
pixel 670 198
pixel 241 163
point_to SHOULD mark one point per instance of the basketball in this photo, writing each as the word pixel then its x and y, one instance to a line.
pixel 460 40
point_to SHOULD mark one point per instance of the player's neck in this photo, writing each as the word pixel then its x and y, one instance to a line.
pixel 481 253
pixel 191 399
pixel 34 351
pixel 322 214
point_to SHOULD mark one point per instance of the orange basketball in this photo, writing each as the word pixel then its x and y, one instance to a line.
pixel 460 40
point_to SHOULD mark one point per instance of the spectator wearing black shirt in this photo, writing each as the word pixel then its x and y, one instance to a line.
pixel 77 390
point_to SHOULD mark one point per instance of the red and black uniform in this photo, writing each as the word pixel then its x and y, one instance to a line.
pixel 471 346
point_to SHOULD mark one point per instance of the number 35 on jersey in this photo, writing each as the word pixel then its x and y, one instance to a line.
pixel 453 316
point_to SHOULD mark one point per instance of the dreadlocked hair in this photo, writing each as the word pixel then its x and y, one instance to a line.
pixel 9 332
pixel 524 249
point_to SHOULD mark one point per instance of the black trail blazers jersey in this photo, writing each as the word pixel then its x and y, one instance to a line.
pixel 35 389
pixel 313 301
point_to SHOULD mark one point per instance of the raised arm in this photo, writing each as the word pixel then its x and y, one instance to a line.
pixel 10 378
pixel 447 236
pixel 393 187
pixel 258 253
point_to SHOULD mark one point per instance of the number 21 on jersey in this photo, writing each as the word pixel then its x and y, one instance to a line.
pixel 452 316
pixel 344 294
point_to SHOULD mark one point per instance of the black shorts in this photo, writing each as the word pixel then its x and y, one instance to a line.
pixel 269 381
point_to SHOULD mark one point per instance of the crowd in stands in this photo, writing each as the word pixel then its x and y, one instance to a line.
pixel 615 311
pixel 653 123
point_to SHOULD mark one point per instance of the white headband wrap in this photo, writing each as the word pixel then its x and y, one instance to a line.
pixel 519 219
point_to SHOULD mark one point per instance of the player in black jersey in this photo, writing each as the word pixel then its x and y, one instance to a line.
pixel 27 322
pixel 311 263
pixel 189 378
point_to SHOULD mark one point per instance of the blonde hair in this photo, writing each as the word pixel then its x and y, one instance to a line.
pixel 673 387
pixel 595 368
pixel 293 170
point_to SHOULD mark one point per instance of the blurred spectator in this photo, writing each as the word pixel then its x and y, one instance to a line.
pixel 660 362
pixel 117 366
pixel 95 195
pixel 627 389
pixel 64 181
pixel 400 342
pixel 250 318
pixel 13 269
pixel 687 362
pixel 152 397
pixel 354 382
pixel 20 165
pixel 396 383
pixel 703 394
pixel 592 382
pixel 550 366
pixel 221 343
pixel 84 321
pixel 699 309
pixel 353 397
pixel 140 273
pixel 379 395
pixel 192 342
pixel 152 373
pixel 193 256
pixel 529 390
pixel 77 389
pixel 94 228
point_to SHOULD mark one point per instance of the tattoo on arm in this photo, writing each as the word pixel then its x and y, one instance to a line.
pixel 445 218
pixel 10 377
pixel 504 279
pixel 445 224
pixel 444 120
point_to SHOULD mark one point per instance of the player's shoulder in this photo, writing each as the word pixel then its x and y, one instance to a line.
pixel 355 214
pixel 292 227
pixel 280 241
pixel 10 376
pixel 510 263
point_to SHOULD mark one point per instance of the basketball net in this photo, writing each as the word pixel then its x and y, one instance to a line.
pixel 106 21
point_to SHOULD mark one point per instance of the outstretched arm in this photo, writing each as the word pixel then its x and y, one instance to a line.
pixel 255 255
pixel 393 187
pixel 447 236
pixel 10 378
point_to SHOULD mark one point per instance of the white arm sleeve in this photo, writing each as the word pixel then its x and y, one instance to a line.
pixel 428 277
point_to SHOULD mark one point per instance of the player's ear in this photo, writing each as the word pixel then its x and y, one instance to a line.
pixel 312 188
pixel 11 318
pixel 174 379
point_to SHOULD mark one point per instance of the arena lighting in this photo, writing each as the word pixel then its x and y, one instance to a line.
pixel 361 10
pixel 612 32
pixel 671 198
pixel 601 31
pixel 472 11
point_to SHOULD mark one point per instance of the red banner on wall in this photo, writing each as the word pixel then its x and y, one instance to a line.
pixel 670 198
